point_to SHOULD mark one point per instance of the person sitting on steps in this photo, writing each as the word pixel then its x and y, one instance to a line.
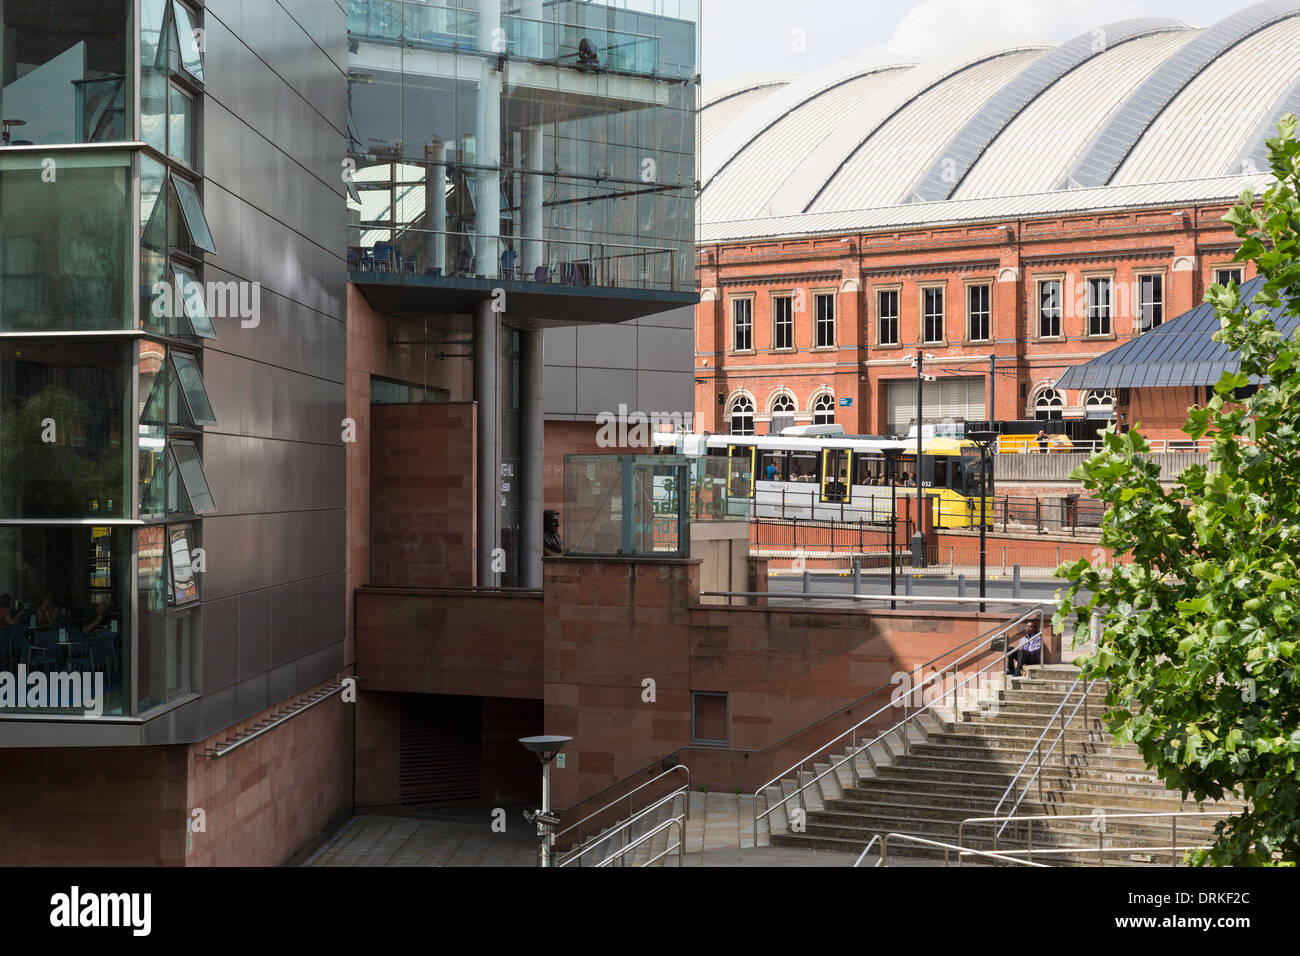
pixel 1028 651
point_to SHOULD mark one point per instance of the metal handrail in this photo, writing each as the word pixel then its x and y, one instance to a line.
pixel 947 847
pixel 680 847
pixel 628 796
pixel 1037 748
pixel 1173 816
pixel 865 850
pixel 579 852
pixel 856 749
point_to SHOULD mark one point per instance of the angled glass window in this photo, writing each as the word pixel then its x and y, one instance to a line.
pixel 187 485
pixel 153 395
pixel 192 302
pixel 187 36
pixel 153 470
pixel 192 212
pixel 193 394
pixel 183 587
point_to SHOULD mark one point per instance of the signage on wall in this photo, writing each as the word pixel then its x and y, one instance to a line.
pixel 846 403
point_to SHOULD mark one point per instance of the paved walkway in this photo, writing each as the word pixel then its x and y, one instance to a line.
pixel 719 833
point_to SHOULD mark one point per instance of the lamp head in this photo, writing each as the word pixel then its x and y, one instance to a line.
pixel 545 746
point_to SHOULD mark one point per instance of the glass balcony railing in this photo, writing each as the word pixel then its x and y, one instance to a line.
pixel 586 48
pixel 408 21
pixel 466 255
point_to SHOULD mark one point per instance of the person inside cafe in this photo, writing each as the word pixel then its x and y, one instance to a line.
pixel 47 615
pixel 99 621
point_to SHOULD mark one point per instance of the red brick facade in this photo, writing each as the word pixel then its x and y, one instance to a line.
pixel 1184 246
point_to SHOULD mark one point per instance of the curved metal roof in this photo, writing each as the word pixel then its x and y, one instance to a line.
pixel 725 102
pixel 965 148
pixel 1130 122
pixel 1161 113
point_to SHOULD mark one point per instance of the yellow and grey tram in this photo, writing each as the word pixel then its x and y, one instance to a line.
pixel 821 474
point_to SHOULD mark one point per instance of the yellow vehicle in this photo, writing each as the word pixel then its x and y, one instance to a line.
pixel 831 476
pixel 1030 444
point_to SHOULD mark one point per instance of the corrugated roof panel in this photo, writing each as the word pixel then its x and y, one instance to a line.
pixel 912 139
pixel 1254 156
pixel 747 185
pixel 1037 149
pixel 715 116
pixel 964 149
pixel 1109 149
pixel 1201 131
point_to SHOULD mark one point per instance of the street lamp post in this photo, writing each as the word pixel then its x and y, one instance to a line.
pixel 918 539
pixel 547 748
pixel 984 439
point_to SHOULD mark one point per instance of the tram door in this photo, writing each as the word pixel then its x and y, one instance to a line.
pixel 740 470
pixel 835 474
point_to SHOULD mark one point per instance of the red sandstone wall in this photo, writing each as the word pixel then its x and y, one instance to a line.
pixel 479 643
pixel 422 502
pixel 566 438
pixel 269 799
pixel 93 807
pixel 610 625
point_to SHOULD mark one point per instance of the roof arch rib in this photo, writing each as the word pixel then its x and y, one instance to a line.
pixel 1254 157
pixel 968 145
pixel 819 170
pixel 1106 152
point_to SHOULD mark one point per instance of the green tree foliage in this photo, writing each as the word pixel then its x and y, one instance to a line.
pixel 1200 627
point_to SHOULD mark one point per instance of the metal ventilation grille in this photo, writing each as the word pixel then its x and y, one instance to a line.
pixel 964 150
pixel 1111 146
pixel 441 749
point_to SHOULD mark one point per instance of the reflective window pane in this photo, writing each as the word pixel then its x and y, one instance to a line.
pixel 63 76
pixel 184 585
pixel 64 252
pixel 193 302
pixel 180 136
pixel 151 598
pixel 192 212
pixel 67 589
pixel 194 481
pixel 193 391
pixel 191 59
pixel 63 441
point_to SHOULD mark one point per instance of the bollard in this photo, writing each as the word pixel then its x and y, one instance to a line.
pixel 961 585
pixel 908 584
pixel 1015 580
pixel 807 582
pixel 857 575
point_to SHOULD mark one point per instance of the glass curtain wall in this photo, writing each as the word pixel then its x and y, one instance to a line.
pixel 83 419
pixel 556 143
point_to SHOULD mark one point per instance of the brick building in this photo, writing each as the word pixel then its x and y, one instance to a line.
pixel 1007 211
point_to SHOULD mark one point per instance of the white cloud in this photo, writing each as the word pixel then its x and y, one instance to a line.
pixel 935 26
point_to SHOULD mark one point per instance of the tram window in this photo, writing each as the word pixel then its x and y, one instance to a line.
pixel 803 466
pixel 940 472
pixel 870 471
pixel 772 460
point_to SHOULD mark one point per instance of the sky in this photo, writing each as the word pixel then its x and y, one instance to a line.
pixel 754 36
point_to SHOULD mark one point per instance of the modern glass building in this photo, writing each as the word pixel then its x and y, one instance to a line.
pixel 171 295
pixel 532 164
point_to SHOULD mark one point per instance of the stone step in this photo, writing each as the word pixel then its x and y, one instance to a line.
pixel 976 758
pixel 913 851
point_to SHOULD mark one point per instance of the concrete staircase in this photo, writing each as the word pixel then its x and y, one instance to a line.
pixel 957 765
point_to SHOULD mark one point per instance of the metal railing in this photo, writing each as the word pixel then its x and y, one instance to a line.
pixel 628 797
pixel 578 853
pixel 984 646
pixel 947 848
pixel 1029 445
pixel 1100 849
pixel 680 846
pixel 1037 749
